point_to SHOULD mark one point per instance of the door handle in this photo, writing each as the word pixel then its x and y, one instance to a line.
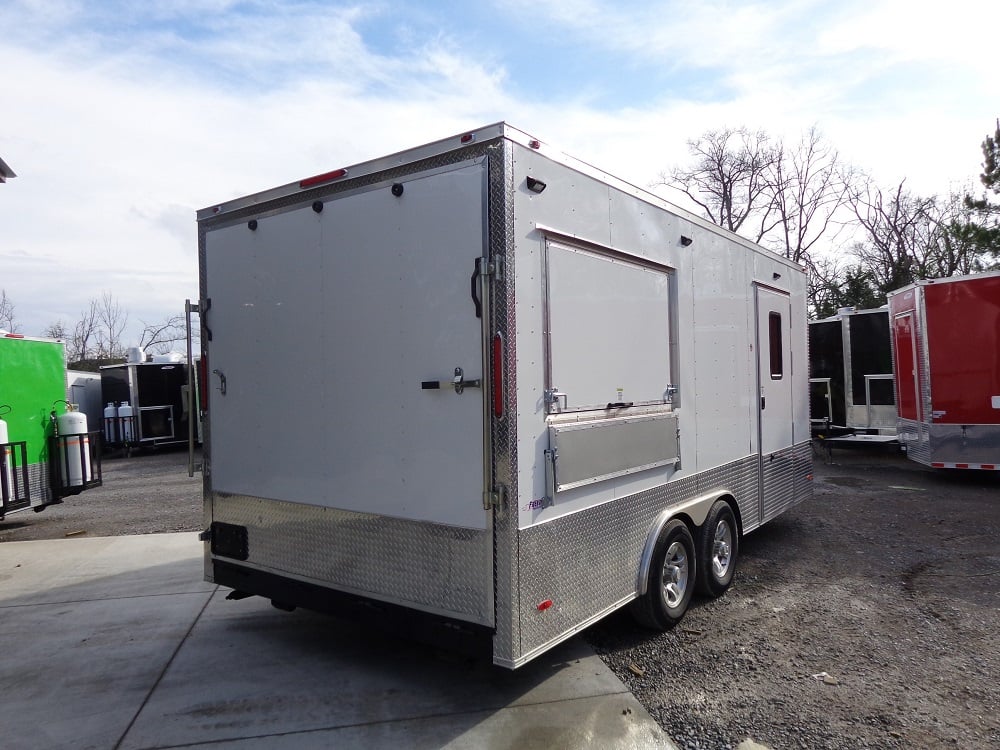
pixel 222 381
pixel 458 382
pixel 476 300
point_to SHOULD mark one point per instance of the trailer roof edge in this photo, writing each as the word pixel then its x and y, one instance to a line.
pixel 495 130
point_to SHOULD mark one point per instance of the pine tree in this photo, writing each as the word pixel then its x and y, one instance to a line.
pixel 984 229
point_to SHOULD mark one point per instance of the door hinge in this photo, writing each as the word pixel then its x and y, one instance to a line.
pixel 494 268
pixel 493 499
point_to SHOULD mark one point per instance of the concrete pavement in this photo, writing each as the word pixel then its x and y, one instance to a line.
pixel 117 642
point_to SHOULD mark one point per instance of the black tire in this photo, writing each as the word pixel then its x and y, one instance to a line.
pixel 672 576
pixel 718 550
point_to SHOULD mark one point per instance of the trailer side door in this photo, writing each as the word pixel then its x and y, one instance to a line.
pixel 907 368
pixel 775 428
pixel 774 376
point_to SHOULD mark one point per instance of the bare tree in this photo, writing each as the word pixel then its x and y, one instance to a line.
pixel 824 276
pixel 112 320
pixel 56 330
pixel 82 344
pixel 159 338
pixel 730 177
pixel 808 186
pixel 894 225
pixel 8 321
pixel 907 237
pixel 787 198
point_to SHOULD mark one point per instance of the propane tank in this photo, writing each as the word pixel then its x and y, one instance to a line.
pixel 125 431
pixel 110 419
pixel 75 447
pixel 6 470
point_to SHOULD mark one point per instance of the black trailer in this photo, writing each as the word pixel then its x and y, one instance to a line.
pixel 146 404
pixel 850 373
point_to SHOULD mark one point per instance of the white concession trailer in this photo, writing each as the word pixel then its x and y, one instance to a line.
pixel 482 384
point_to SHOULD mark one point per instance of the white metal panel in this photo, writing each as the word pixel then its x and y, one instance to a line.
pixel 374 290
pixel 722 361
pixel 609 326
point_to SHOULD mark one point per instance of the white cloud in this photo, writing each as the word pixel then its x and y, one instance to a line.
pixel 121 119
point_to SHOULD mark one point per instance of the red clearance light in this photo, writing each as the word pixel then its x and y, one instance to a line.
pixel 535 144
pixel 542 606
pixel 498 384
pixel 468 138
pixel 203 384
pixel 13 335
pixel 321 178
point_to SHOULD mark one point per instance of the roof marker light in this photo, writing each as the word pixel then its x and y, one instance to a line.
pixel 542 606
pixel 321 178
pixel 468 138
pixel 535 144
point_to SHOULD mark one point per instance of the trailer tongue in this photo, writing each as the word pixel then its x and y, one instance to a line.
pixel 484 382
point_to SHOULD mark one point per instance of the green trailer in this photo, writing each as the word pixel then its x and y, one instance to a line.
pixel 47 451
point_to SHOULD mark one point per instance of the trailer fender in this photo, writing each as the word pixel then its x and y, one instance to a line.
pixel 693 512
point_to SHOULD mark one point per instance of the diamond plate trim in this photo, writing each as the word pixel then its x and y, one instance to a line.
pixel 587 563
pixel 506 640
pixel 741 478
pixel 427 566
pixel 915 437
pixel 911 433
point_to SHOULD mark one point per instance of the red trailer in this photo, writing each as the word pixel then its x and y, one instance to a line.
pixel 946 354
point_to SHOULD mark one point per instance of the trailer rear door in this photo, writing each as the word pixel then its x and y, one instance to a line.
pixel 327 321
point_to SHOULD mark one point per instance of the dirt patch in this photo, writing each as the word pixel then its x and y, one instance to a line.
pixel 864 618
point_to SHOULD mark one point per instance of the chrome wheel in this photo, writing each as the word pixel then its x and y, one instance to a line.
pixel 671 577
pixel 722 549
pixel 718 549
pixel 676 575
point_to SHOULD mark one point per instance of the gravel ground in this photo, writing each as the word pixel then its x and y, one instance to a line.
pixel 865 618
pixel 146 494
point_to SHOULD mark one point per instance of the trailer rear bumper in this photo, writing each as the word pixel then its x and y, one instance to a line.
pixel 288 593
pixel 950 446
pixel 434 568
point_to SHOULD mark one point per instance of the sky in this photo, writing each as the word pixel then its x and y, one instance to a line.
pixel 122 119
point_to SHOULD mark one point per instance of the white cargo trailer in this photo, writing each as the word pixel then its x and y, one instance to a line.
pixel 486 383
